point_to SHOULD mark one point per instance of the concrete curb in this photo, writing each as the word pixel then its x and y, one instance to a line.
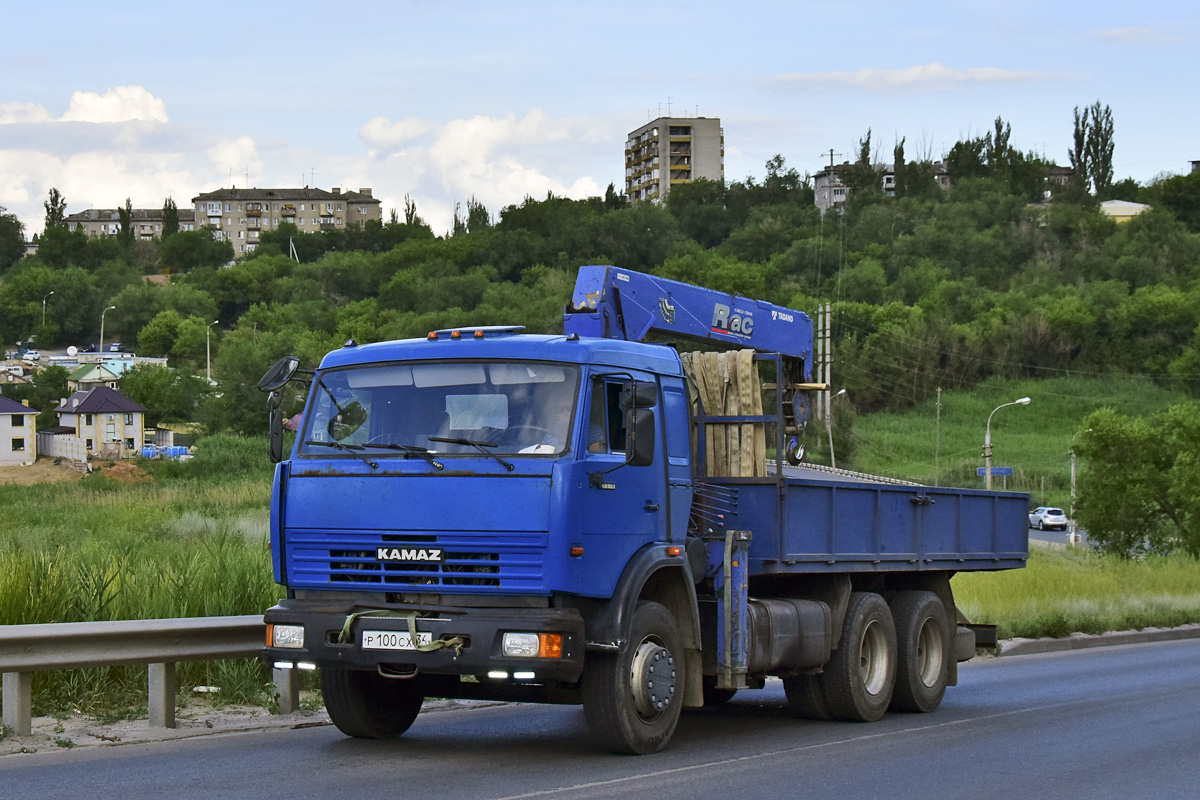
pixel 1080 641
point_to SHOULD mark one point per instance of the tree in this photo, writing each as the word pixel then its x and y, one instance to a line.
pixel 125 235
pixel 56 210
pixel 167 394
pixel 1140 490
pixel 1100 148
pixel 188 250
pixel 1079 150
pixel 12 239
pixel 478 218
pixel 170 218
pixel 1092 152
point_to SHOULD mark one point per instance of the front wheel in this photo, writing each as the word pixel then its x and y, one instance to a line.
pixel 367 705
pixel 631 700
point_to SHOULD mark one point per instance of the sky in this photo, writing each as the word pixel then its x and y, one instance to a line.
pixel 444 101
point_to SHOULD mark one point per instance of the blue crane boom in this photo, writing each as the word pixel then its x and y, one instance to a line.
pixel 617 303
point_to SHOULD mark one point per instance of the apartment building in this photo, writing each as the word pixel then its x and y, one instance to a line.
pixel 147 222
pixel 240 216
pixel 670 151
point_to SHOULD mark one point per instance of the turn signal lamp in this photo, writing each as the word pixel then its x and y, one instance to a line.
pixel 549 645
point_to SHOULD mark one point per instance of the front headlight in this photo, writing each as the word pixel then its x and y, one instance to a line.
pixel 520 645
pixel 291 636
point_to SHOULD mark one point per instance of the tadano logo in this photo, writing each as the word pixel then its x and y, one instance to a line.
pixel 735 321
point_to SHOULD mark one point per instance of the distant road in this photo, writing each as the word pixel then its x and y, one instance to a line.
pixel 1105 724
pixel 1056 537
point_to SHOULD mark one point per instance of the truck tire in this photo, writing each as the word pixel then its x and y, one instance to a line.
pixel 367 705
pixel 806 697
pixel 632 700
pixel 861 674
pixel 922 651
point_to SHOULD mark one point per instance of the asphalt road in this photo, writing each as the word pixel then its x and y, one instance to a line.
pixel 1115 722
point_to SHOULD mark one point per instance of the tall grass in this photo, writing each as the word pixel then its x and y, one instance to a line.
pixel 193 542
pixel 1067 590
pixel 1035 440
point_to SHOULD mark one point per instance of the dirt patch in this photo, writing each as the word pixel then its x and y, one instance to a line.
pixel 44 470
pixel 123 472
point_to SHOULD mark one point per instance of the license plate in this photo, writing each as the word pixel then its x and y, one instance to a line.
pixel 392 640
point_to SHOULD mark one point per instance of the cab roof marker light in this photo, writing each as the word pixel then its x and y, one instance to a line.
pixel 479 334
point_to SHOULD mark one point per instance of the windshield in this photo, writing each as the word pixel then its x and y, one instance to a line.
pixel 457 408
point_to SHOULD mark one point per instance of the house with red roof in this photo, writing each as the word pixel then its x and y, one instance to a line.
pixel 109 423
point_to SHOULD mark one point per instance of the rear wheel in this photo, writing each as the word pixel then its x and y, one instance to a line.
pixel 367 705
pixel 922 651
pixel 632 700
pixel 861 674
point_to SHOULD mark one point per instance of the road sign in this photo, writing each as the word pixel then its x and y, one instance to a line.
pixel 1005 471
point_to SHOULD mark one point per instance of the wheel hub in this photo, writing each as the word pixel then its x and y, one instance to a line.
pixel 652 679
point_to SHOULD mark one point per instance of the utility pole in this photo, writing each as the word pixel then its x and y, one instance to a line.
pixel 937 440
pixel 1073 536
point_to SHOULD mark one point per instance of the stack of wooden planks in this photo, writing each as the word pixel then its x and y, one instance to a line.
pixel 727 385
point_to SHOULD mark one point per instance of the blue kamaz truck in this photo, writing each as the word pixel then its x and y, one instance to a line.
pixel 592 518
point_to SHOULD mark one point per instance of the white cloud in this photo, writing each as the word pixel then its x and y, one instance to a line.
pixel 926 77
pixel 14 113
pixel 234 158
pixel 122 104
pixel 382 133
pixel 497 160
pixel 1138 36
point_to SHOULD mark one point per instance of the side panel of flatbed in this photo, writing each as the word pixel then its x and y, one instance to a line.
pixel 824 526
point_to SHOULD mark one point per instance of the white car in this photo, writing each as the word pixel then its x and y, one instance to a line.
pixel 1048 518
pixel 30 355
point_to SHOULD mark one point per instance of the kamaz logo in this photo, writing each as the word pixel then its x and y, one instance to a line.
pixel 738 322
pixel 408 554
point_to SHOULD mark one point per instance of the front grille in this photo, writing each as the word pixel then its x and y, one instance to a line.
pixel 471 562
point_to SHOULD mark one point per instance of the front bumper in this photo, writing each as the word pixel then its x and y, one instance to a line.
pixel 481 629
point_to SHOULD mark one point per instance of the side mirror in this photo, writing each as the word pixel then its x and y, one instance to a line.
pixel 639 394
pixel 275 437
pixel 639 446
pixel 279 374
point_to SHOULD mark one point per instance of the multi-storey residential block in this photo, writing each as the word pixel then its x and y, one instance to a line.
pixel 147 222
pixel 670 151
pixel 241 215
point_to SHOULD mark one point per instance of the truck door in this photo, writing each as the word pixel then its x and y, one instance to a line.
pixel 623 506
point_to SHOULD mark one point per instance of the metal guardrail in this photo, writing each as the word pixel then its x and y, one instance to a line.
pixel 158 643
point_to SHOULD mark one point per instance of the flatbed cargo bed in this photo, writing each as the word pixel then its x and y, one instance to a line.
pixel 828 521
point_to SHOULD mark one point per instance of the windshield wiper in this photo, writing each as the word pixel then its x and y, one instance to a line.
pixel 408 449
pixel 352 449
pixel 480 446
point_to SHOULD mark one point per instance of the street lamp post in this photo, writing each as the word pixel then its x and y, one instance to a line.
pixel 208 352
pixel 44 308
pixel 102 313
pixel 829 425
pixel 987 438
